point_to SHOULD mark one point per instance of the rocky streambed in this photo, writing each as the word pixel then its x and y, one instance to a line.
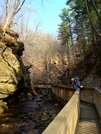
pixel 31 116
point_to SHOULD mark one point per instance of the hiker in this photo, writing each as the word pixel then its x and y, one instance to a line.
pixel 75 82
pixel 72 82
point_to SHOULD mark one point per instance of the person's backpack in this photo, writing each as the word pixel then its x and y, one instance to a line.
pixel 75 82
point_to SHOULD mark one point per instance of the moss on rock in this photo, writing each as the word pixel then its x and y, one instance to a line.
pixel 3 106
pixel 7 88
pixel 12 33
pixel 13 75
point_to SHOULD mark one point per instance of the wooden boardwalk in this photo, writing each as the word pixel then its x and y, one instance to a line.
pixel 89 122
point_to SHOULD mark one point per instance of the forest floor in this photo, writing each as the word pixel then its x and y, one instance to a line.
pixel 92 81
pixel 89 71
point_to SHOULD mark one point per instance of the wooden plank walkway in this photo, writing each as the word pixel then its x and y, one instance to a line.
pixel 89 122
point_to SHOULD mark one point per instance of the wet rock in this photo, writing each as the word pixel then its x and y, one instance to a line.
pixel 38 99
pixel 28 118
pixel 44 92
pixel 44 118
pixel 25 124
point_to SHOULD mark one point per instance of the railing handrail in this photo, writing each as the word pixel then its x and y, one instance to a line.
pixel 98 90
pixel 65 122
pixel 97 100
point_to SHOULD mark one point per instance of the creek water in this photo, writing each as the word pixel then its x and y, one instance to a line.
pixel 31 116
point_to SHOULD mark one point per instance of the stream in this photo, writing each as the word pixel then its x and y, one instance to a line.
pixel 31 116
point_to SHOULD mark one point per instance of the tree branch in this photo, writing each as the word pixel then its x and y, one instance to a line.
pixel 86 2
pixel 95 8
pixel 20 7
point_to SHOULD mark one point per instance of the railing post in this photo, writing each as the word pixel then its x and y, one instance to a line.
pixel 97 101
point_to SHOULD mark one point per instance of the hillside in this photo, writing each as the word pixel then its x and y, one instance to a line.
pixel 92 81
pixel 89 71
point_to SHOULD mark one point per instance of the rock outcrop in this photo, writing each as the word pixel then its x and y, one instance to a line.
pixel 13 74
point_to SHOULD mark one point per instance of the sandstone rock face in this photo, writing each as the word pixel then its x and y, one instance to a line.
pixel 11 66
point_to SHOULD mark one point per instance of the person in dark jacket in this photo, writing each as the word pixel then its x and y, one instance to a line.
pixel 75 82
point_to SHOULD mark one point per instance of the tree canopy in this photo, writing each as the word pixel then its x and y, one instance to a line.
pixel 81 22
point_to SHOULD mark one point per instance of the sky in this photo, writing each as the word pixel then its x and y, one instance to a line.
pixel 47 14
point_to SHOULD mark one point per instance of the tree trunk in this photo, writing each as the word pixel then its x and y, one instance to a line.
pixel 68 57
pixel 11 10
pixel 91 19
pixel 95 8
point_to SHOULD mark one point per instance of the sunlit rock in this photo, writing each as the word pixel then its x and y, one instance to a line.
pixel 3 106
pixel 12 71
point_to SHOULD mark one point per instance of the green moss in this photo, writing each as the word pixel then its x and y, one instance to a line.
pixel 7 88
pixel 1 110
pixel 22 98
pixel 9 31
pixel 7 73
pixel 12 33
pixel 21 44
pixel 3 106
pixel 8 41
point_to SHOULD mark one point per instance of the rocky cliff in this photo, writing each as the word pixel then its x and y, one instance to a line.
pixel 13 74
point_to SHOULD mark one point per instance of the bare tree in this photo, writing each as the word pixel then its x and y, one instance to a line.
pixel 12 8
pixel 37 25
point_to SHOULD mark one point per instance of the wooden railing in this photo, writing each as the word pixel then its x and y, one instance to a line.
pixel 87 95
pixel 42 85
pixel 97 100
pixel 92 96
pixel 63 93
pixel 67 119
